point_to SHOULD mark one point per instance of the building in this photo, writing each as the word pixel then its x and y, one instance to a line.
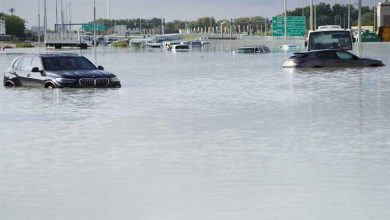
pixel 2 27
pixel 383 15
pixel 120 30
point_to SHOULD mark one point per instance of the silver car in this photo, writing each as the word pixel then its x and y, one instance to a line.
pixel 328 58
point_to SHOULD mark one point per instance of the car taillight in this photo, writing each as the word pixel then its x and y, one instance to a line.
pixel 298 61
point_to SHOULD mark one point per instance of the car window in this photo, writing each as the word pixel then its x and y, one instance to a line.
pixel 266 49
pixel 36 62
pixel 344 55
pixel 16 63
pixel 246 50
pixel 25 64
pixel 301 55
pixel 326 55
pixel 67 63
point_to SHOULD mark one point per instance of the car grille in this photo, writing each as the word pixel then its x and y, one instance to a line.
pixel 91 83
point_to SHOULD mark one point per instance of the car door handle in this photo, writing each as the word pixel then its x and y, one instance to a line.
pixel 28 74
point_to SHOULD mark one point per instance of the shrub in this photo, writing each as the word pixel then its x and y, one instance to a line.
pixel 23 45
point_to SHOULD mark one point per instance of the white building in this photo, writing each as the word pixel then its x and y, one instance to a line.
pixel 2 27
pixel 383 14
pixel 120 30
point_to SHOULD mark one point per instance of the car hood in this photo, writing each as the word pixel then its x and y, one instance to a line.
pixel 81 74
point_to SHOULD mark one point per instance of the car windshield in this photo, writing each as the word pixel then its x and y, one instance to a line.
pixel 330 40
pixel 67 63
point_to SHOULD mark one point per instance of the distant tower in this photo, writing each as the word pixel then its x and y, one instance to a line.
pixel 12 10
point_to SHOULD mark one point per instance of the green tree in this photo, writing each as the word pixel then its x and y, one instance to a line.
pixel 14 25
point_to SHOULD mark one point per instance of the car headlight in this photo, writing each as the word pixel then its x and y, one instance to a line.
pixel 65 80
pixel 114 79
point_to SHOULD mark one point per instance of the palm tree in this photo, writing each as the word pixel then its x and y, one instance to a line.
pixel 12 10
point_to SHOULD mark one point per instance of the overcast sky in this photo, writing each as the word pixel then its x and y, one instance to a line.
pixel 82 10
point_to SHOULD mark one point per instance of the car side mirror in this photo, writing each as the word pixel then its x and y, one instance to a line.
pixel 35 70
pixel 100 68
pixel 354 40
pixel 305 43
pixel 355 57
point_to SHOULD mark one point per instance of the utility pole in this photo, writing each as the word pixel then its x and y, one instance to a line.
pixel 285 19
pixel 70 16
pixel 375 14
pixel 108 9
pixel 39 22
pixel 55 26
pixel 94 23
pixel 62 20
pixel 349 14
pixel 311 15
pixel 45 18
pixel 231 30
pixel 315 17
pixel 359 20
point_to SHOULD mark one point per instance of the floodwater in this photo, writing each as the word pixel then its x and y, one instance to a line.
pixel 205 135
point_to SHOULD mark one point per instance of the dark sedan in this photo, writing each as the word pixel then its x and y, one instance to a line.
pixel 328 58
pixel 58 71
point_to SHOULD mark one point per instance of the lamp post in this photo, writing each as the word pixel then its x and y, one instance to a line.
pixel 39 23
pixel 285 19
pixel 349 14
pixel 311 15
pixel 94 23
pixel 359 20
pixel 335 19
pixel 108 9
pixel 344 21
pixel 222 28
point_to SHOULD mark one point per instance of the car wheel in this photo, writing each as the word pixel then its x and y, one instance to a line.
pixel 50 86
pixel 9 84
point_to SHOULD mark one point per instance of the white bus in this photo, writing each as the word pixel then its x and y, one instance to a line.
pixel 329 37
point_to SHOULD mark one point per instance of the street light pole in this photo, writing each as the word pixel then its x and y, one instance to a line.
pixel 94 23
pixel 39 22
pixel 349 14
pixel 359 20
pixel 222 28
pixel 285 19
pixel 311 15
pixel 45 18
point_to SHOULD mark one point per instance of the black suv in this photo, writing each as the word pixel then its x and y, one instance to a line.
pixel 58 71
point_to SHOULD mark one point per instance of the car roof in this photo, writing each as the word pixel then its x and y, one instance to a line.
pixel 322 50
pixel 58 55
pixel 255 46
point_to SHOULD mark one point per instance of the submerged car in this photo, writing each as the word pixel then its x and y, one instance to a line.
pixel 328 58
pixel 58 71
pixel 253 49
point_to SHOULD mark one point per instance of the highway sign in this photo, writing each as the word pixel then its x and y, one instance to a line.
pixel 89 27
pixel 296 26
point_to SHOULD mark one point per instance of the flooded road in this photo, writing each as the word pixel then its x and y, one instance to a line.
pixel 202 136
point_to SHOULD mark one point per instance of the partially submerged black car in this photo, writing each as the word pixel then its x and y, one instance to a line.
pixel 329 58
pixel 58 71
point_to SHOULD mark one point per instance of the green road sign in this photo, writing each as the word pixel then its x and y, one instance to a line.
pixel 89 27
pixel 296 26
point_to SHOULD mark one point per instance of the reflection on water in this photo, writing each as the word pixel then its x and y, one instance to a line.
pixel 199 135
